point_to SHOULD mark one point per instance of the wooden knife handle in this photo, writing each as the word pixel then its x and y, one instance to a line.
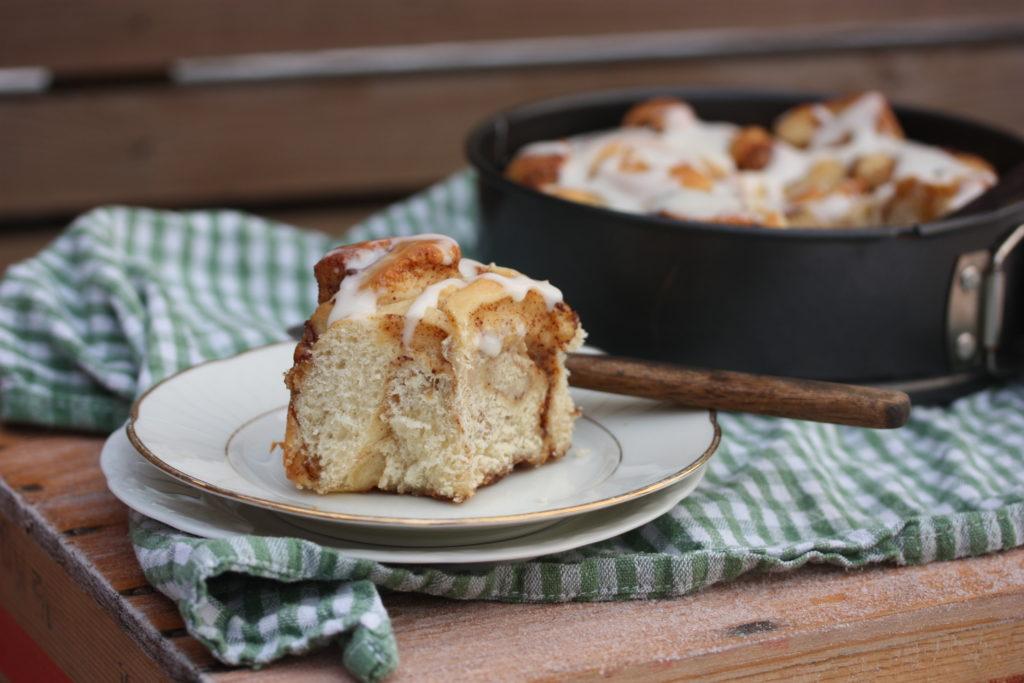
pixel 800 399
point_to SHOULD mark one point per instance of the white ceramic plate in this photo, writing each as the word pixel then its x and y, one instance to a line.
pixel 146 489
pixel 212 426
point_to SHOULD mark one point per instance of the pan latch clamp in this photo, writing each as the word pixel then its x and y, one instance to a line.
pixel 976 311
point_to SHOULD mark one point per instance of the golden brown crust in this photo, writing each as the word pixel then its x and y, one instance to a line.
pixel 574 195
pixel 873 169
pixel 822 178
pixel 535 170
pixel 798 125
pixel 768 220
pixel 751 148
pixel 915 201
pixel 298 466
pixel 688 176
pixel 886 122
pixel 309 337
pixel 654 113
pixel 402 268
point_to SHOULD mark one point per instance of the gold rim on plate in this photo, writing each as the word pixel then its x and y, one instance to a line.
pixel 313 513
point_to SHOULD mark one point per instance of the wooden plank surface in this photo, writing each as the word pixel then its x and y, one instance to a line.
pixel 131 36
pixel 82 638
pixel 326 139
pixel 952 621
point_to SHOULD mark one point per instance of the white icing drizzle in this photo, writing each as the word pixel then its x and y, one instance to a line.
pixel 468 268
pixel 520 285
pixel 446 244
pixel 428 299
pixel 721 200
pixel 679 118
pixel 857 120
pixel 353 300
pixel 930 164
pixel 489 344
pixel 832 208
pixel 548 147
pixel 630 168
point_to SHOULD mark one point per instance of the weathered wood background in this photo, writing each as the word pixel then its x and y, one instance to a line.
pixel 170 104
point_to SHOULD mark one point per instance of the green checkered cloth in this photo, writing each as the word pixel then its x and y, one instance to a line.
pixel 127 296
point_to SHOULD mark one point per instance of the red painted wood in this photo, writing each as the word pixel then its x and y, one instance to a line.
pixel 21 659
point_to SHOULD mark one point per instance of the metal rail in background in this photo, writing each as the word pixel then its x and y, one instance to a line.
pixel 554 51
pixel 595 49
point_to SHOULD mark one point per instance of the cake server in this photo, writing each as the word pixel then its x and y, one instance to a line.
pixel 800 399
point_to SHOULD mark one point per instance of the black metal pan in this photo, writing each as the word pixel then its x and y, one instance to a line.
pixel 930 308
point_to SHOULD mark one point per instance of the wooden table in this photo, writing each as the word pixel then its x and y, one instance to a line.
pixel 69 577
